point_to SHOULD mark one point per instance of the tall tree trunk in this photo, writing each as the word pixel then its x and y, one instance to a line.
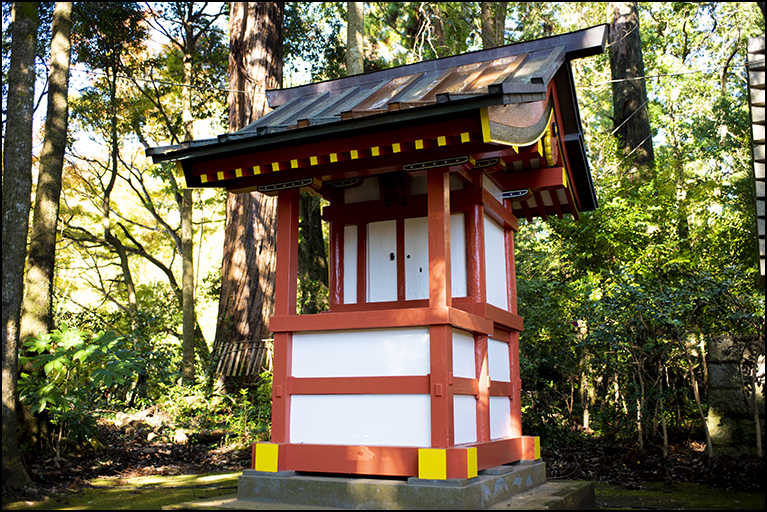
pixel 247 275
pixel 17 188
pixel 38 291
pixel 355 38
pixel 631 115
pixel 187 245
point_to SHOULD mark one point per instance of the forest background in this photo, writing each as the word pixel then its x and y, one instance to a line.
pixel 617 306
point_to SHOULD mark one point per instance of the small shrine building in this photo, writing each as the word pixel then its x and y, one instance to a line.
pixel 414 370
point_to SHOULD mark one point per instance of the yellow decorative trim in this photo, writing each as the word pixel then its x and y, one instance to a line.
pixel 238 173
pixel 333 158
pixel 204 178
pixel 374 151
pixel 266 457
pixel 471 462
pixel 537 448
pixel 419 144
pixel 256 169
pixel 275 166
pixel 432 463
pixel 395 147
pixel 441 141
pixel 312 160
pixel 294 164
pixel 485 119
pixel 465 137
pixel 220 175
pixel 354 154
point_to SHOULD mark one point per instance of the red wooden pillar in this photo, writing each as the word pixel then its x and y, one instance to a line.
pixel 483 392
pixel 285 292
pixel 438 198
pixel 511 273
pixel 440 296
pixel 336 273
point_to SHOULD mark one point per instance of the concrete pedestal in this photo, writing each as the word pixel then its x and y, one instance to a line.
pixel 521 486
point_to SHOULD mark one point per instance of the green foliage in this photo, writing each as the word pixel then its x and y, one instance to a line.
pixel 242 419
pixel 79 371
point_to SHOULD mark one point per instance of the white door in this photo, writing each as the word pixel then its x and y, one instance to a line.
pixel 382 261
pixel 416 258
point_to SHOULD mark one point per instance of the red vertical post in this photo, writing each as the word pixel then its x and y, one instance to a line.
pixel 441 352
pixel 285 292
pixel 362 263
pixel 475 256
pixel 516 383
pixel 483 392
pixel 336 274
pixel 438 198
pixel 440 296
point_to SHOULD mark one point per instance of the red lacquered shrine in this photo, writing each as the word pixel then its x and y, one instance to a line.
pixel 414 370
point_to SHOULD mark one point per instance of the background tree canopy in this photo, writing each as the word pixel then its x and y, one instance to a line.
pixel 617 305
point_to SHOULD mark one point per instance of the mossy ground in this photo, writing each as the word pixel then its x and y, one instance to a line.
pixel 139 493
pixel 678 496
pixel 155 492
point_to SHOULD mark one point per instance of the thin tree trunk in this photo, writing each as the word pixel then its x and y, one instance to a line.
pixel 663 413
pixel 696 392
pixel 355 38
pixel 247 275
pixel 17 188
pixel 38 291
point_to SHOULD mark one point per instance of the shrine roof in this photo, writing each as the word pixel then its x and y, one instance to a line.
pixel 434 90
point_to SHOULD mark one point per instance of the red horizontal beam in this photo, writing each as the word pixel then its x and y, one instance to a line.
pixel 549 178
pixel 417 384
pixel 393 460
pixel 391 318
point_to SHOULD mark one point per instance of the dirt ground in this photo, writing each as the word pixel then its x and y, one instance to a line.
pixel 620 472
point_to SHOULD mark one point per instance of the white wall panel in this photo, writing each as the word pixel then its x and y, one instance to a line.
pixel 382 261
pixel 498 360
pixel 500 417
pixel 458 255
pixel 416 258
pixel 464 419
pixel 361 353
pixel 350 264
pixel 373 420
pixel 495 264
pixel 463 354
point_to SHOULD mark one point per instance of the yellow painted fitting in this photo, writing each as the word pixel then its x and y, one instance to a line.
pixel 275 166
pixel 432 463
pixel 333 158
pixel 353 154
pixel 266 457
pixel 537 448
pixel 465 137
pixel 220 175
pixel 238 173
pixel 419 144
pixel 204 178
pixel 395 147
pixel 256 169
pixel 374 151
pixel 294 164
pixel 312 160
pixel 441 140
pixel 471 462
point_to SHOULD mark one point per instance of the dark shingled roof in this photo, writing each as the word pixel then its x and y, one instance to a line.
pixel 435 90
